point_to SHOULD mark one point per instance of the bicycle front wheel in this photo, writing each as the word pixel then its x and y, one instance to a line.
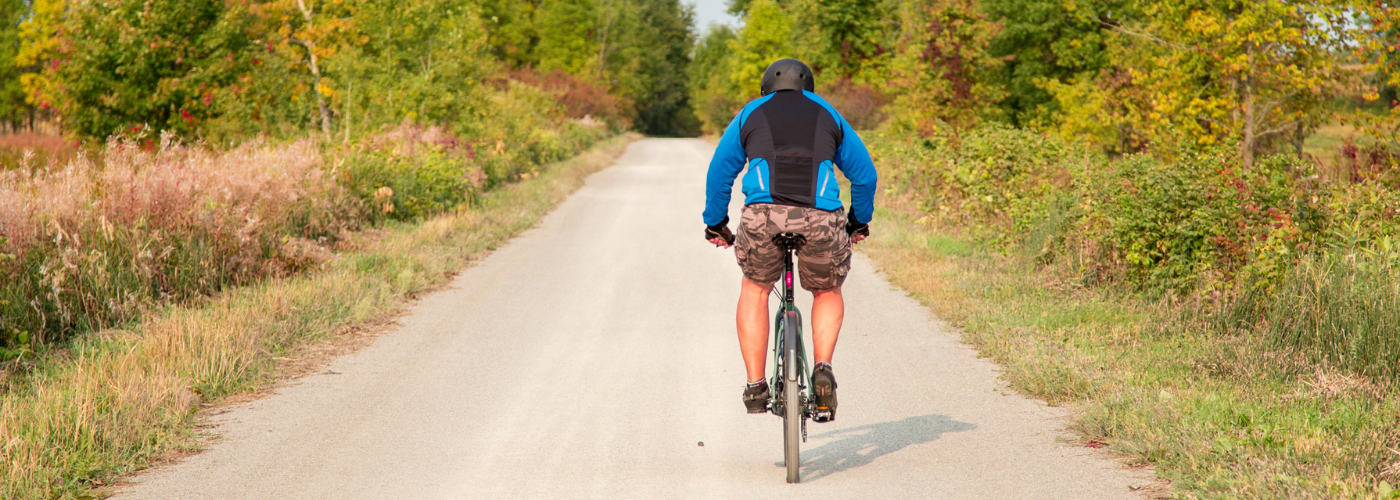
pixel 792 399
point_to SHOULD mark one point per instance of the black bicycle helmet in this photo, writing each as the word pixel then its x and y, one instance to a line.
pixel 788 74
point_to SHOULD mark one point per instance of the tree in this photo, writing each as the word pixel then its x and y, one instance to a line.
pixel 1378 48
pixel 710 92
pixel 13 106
pixel 39 41
pixel 766 37
pixel 511 30
pixel 567 41
pixel 316 32
pixel 1047 41
pixel 667 29
pixel 121 64
pixel 639 49
pixel 941 71
pixel 1255 74
pixel 848 35
pixel 423 61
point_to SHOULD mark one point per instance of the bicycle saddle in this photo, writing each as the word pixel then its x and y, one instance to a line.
pixel 789 241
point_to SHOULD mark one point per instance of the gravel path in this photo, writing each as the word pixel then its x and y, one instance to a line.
pixel 591 356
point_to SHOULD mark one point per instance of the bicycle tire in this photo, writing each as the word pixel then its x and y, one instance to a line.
pixel 792 415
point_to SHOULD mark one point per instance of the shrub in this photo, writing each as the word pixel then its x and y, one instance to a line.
pixel 1309 265
pixel 861 105
pixel 1199 220
pixel 526 128
pixel 998 181
pixel 410 172
pixel 580 98
pixel 1189 224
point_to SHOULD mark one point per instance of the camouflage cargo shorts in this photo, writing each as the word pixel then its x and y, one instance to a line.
pixel 822 263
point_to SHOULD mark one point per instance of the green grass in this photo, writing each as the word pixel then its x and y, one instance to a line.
pixel 1217 414
pixel 118 400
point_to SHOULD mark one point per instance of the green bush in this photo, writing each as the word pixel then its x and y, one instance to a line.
pixel 1307 264
pixel 1199 220
pixel 405 178
pixel 1188 224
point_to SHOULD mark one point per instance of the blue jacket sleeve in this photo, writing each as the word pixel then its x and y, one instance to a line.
pixel 728 161
pixel 854 161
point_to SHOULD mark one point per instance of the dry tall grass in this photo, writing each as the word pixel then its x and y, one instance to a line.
pixel 126 397
pixel 41 148
pixel 91 243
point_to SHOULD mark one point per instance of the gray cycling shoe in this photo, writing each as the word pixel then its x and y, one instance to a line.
pixel 756 397
pixel 824 387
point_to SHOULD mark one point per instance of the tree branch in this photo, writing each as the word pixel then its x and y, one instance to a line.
pixel 1145 36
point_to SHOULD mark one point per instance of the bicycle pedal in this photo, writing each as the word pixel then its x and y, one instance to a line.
pixel 823 415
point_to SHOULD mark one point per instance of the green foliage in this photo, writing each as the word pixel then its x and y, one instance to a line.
pixel 1202 220
pixel 1195 224
pixel 663 104
pixel 940 71
pixel 765 37
pixel 1047 41
pixel 161 64
pixel 422 62
pixel 13 107
pixel 640 49
pixel 848 33
pixel 403 179
pixel 567 35
pixel 710 87
pixel 511 30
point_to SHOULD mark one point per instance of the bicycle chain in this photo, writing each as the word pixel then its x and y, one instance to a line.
pixel 804 421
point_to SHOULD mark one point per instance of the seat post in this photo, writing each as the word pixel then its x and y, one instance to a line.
pixel 789 242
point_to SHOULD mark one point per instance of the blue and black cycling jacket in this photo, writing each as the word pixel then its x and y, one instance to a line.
pixel 790 140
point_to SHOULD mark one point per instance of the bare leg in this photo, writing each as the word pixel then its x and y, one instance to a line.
pixel 828 310
pixel 753 327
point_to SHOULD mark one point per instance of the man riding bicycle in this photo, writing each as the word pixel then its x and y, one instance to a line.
pixel 790 139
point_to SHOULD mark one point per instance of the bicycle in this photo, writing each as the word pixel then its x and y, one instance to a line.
pixel 790 373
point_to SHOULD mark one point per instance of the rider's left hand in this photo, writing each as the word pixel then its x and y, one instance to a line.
pixel 856 230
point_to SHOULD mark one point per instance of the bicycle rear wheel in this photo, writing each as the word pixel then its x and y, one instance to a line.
pixel 792 399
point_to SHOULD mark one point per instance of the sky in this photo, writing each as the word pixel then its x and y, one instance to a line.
pixel 708 11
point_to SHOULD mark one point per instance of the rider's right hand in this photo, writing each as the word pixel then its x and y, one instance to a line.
pixel 719 234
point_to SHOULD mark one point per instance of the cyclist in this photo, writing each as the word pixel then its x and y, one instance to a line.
pixel 790 139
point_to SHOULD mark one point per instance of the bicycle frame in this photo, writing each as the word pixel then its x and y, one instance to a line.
pixel 782 332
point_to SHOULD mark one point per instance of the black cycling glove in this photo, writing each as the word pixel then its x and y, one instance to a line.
pixel 853 228
pixel 720 231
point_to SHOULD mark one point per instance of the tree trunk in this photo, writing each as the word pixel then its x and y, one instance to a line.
pixel 315 73
pixel 1248 139
pixel 1299 135
pixel 603 40
pixel 349 102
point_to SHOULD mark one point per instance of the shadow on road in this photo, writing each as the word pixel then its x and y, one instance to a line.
pixel 860 445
